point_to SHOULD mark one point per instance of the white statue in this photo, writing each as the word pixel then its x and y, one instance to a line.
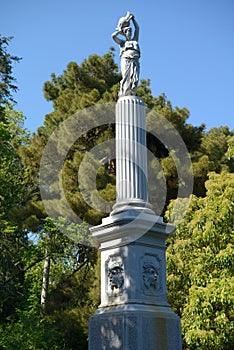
pixel 129 53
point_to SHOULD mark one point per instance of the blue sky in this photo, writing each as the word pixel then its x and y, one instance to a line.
pixel 187 49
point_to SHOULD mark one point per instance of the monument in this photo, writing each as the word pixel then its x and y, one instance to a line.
pixel 134 313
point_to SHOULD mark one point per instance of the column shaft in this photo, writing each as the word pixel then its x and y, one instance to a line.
pixel 131 150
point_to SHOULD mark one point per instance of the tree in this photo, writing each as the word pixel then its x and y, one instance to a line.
pixel 13 191
pixel 7 81
pixel 81 87
pixel 212 155
pixel 68 300
pixel 200 269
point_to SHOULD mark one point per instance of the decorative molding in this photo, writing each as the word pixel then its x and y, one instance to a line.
pixel 132 332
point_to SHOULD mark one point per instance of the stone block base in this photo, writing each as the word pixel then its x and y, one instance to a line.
pixel 134 327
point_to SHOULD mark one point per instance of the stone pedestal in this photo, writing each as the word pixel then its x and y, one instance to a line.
pixel 134 327
pixel 134 313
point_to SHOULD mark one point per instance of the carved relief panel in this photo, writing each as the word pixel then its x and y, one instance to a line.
pixel 114 275
pixel 151 274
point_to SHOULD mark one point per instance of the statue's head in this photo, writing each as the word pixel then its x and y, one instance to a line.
pixel 127 31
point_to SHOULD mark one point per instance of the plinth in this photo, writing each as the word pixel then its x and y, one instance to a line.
pixel 134 313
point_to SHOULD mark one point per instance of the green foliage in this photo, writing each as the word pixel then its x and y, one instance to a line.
pixel 11 250
pixel 230 151
pixel 7 80
pixel 81 86
pixel 200 268
pixel 72 295
pixel 13 190
pixel 12 172
pixel 215 145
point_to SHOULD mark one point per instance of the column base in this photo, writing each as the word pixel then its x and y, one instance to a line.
pixel 135 327
pixel 132 204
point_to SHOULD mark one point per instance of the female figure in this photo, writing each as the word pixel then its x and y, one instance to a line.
pixel 129 53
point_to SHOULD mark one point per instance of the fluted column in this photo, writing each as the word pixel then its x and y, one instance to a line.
pixel 131 155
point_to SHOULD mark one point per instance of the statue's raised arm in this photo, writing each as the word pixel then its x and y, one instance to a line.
pixel 129 53
pixel 136 33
